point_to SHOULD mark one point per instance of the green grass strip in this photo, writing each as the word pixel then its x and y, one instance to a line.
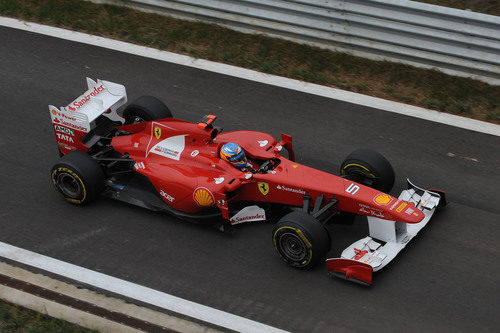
pixel 14 318
pixel 403 83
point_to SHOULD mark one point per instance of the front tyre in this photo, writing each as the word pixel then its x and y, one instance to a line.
pixel 300 240
pixel 369 168
pixel 78 178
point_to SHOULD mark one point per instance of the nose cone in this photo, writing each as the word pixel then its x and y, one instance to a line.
pixel 364 200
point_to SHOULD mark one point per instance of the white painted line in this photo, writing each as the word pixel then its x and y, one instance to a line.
pixel 134 291
pixel 95 322
pixel 310 88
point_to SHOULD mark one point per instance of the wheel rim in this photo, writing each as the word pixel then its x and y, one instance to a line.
pixel 292 247
pixel 359 175
pixel 69 185
pixel 137 119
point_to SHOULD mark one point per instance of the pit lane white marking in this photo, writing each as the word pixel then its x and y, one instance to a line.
pixel 84 318
pixel 134 291
pixel 310 88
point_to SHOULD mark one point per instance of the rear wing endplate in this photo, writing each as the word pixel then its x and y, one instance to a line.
pixel 73 121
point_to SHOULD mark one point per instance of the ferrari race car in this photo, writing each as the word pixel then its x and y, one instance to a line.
pixel 146 157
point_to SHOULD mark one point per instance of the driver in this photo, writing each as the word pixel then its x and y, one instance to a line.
pixel 235 155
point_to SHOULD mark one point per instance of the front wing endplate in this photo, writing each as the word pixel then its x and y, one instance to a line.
pixel 367 255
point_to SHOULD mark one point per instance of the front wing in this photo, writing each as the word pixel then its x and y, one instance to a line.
pixel 358 262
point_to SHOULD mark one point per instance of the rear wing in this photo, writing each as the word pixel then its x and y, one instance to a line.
pixel 79 117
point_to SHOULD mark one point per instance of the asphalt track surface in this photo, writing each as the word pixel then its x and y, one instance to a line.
pixel 446 280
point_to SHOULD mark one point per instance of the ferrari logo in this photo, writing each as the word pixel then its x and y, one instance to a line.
pixel 158 133
pixel 263 188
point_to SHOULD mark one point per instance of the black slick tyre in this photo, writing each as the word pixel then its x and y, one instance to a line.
pixel 78 178
pixel 146 108
pixel 300 240
pixel 369 168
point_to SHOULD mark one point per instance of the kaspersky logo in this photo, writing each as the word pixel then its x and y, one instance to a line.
pixel 79 103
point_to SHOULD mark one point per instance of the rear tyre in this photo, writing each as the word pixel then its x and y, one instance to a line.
pixel 78 178
pixel 146 108
pixel 300 240
pixel 369 168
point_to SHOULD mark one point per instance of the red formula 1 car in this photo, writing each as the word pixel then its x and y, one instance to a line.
pixel 150 159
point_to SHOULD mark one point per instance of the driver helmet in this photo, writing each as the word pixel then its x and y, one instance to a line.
pixel 234 154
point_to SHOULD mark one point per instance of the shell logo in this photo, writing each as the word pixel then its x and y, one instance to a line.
pixel 382 199
pixel 53 112
pixel 203 197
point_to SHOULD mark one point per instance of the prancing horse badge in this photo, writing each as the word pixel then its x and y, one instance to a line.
pixel 158 133
pixel 263 188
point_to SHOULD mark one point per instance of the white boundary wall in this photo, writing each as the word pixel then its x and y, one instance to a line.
pixel 458 42
pixel 309 88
